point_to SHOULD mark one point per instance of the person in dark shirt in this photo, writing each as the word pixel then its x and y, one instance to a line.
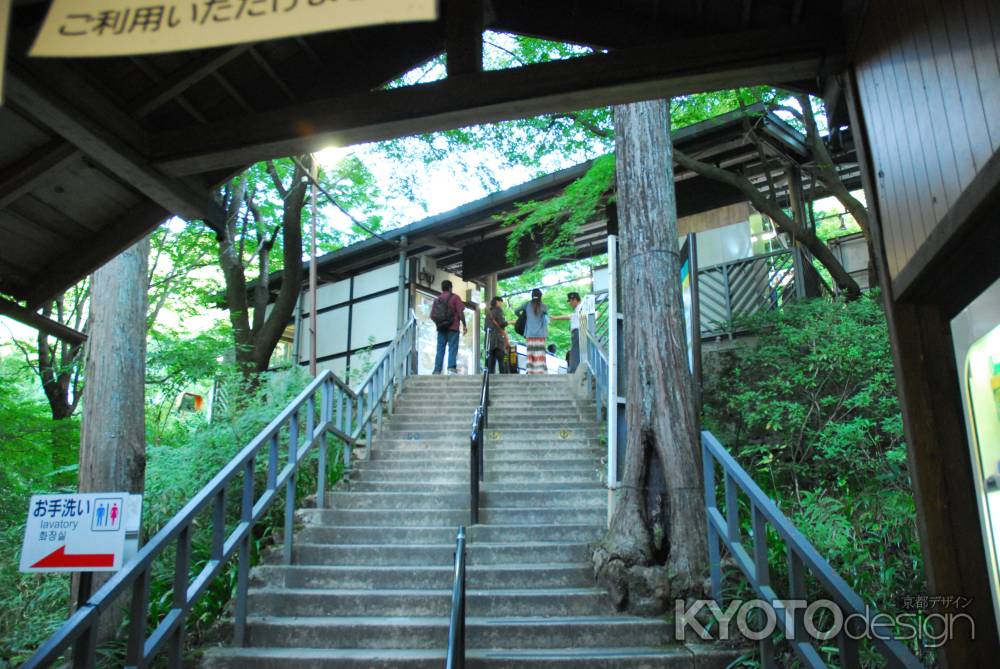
pixel 449 336
pixel 497 342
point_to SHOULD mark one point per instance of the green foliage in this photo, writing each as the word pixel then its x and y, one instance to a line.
pixel 188 453
pixel 554 223
pixel 810 410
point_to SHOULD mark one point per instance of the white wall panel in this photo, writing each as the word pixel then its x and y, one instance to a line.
pixel 328 294
pixel 374 319
pixel 376 280
pixel 331 335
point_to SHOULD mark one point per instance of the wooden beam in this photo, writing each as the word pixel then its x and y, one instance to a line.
pixel 115 238
pixel 39 322
pixel 25 172
pixel 104 146
pixel 464 36
pixel 682 67
pixel 182 79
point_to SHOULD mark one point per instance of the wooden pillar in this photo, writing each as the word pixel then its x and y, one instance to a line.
pixel 464 36
pixel 937 448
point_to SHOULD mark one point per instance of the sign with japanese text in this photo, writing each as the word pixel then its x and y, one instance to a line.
pixel 4 27
pixel 76 532
pixel 76 28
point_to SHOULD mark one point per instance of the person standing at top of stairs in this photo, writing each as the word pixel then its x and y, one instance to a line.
pixel 536 331
pixel 448 314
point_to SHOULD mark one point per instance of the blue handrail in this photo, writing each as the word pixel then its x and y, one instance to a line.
pixel 802 556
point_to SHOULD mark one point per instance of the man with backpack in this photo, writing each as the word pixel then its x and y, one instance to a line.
pixel 448 314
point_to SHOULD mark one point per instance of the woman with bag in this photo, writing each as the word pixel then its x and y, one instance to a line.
pixel 535 316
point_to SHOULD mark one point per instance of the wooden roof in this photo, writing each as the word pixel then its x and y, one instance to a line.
pixel 470 242
pixel 96 152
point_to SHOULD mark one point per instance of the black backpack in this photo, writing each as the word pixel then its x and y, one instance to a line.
pixel 442 313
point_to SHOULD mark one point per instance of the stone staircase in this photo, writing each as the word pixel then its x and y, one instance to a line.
pixel 370 586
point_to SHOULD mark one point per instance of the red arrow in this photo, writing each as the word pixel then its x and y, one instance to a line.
pixel 58 558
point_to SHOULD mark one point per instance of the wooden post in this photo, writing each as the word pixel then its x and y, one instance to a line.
pixel 313 312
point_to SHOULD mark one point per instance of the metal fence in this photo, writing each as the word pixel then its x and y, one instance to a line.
pixel 327 405
pixel 741 288
pixel 802 559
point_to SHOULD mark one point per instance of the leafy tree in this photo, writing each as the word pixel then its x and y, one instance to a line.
pixel 263 230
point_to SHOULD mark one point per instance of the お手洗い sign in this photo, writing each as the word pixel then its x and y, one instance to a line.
pixel 76 532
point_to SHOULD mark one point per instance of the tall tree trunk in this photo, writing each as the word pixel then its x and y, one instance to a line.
pixel 113 432
pixel 660 414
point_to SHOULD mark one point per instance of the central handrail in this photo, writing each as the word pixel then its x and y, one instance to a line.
pixel 480 421
pixel 456 623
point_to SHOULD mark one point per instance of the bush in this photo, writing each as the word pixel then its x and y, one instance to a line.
pixel 809 409
pixel 189 453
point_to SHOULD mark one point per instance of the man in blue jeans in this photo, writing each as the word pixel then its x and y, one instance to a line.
pixel 449 334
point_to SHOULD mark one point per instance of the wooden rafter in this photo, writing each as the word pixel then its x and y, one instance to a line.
pixel 26 172
pixel 182 79
pixel 755 57
pixel 39 322
pixel 104 145
pixel 65 271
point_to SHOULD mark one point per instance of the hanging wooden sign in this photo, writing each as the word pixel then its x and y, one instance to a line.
pixel 81 28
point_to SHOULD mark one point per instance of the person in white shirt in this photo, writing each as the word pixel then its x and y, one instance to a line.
pixel 574 330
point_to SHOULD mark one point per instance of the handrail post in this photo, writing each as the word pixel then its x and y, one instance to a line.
pixel 325 409
pixel 182 562
pixel 243 568
pixel 711 504
pixel 455 658
pixel 293 452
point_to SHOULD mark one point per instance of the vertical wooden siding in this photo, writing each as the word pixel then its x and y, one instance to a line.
pixel 929 82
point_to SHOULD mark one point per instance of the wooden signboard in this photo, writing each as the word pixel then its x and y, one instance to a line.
pixel 80 28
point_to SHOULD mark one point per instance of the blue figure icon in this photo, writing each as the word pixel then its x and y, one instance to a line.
pixel 100 515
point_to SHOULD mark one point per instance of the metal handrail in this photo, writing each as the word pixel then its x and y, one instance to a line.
pixel 80 630
pixel 456 624
pixel 801 556
pixel 383 382
pixel 480 421
pixel 344 413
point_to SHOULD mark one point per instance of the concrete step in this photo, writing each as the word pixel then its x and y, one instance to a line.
pixel 463 463
pixel 501 475
pixel 521 575
pixel 360 485
pixel 552 433
pixel 321 534
pixel 409 402
pixel 640 657
pixel 504 441
pixel 437 517
pixel 487 603
pixel 493 454
pixel 431 632
pixel 582 498
pixel 439 554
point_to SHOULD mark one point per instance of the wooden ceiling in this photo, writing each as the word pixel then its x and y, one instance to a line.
pixel 97 152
